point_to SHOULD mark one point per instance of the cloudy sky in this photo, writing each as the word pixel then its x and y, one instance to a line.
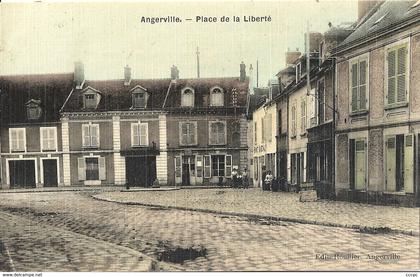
pixel 49 37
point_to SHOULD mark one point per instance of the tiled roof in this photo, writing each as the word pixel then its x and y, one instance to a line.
pixel 383 17
pixel 202 89
pixel 115 96
pixel 50 89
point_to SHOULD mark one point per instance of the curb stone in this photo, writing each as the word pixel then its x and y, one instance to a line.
pixel 267 217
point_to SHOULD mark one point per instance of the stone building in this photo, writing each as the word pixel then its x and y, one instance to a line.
pixel 378 122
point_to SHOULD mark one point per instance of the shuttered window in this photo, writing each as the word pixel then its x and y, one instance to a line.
pixel 48 138
pixel 268 123
pixel 397 79
pixel 187 97
pixel 177 162
pixel 409 164
pixel 359 84
pixel 91 168
pixel 360 164
pixel 228 166
pixel 188 133
pixel 90 134
pixel 391 163
pixel 217 132
pixel 216 97
pixel 17 139
pixel 293 121
pixel 139 134
pixel 303 116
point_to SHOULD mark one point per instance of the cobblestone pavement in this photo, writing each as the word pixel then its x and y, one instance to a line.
pixel 279 204
pixel 225 242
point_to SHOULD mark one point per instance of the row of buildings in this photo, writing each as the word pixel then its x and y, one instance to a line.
pixel 60 129
pixel 345 115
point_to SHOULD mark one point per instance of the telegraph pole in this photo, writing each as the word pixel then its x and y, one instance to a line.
pixel 198 63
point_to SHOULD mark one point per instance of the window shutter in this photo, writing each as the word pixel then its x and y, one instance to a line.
pixel 94 133
pixel 13 140
pixel 207 166
pixel 51 135
pixel 213 132
pixel 401 70
pixel 44 138
pixel 303 117
pixel 135 136
pixel 354 86
pixel 102 169
pixel 192 137
pixel 86 135
pixel 228 166
pixel 409 164
pixel 391 164
pixel 144 134
pixel 81 166
pixel 391 77
pixel 352 161
pixel 362 84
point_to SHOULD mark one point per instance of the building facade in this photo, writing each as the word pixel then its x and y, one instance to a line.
pixel 30 133
pixel 378 123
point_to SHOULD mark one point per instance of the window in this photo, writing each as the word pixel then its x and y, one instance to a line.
pixel 217 132
pixel 188 133
pixel 268 128
pixel 293 125
pixel 321 101
pixel 187 97
pixel 218 165
pixel 178 167
pixel 400 163
pixel 90 100
pixel 228 166
pixel 139 98
pixel 90 133
pixel 216 97
pixel 91 168
pixel 33 109
pixel 358 84
pixel 17 138
pixel 199 167
pixel 397 68
pixel 236 131
pixel 303 116
pixel 139 134
pixel 48 138
pixel 297 168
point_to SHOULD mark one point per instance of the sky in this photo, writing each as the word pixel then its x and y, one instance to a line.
pixel 50 37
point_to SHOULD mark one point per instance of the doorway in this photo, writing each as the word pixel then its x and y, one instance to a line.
pixel 22 174
pixel 50 174
pixel 140 171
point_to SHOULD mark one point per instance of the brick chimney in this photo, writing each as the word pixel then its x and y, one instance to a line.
pixel 292 56
pixel 127 75
pixel 364 6
pixel 79 74
pixel 315 39
pixel 174 72
pixel 242 72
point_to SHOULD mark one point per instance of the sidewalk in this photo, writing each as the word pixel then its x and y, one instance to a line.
pixel 63 188
pixel 278 206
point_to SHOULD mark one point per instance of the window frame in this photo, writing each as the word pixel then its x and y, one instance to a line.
pixel 212 95
pixel 180 133
pixel 90 124
pixel 395 46
pixel 135 93
pixel 55 148
pixel 358 60
pixel 138 126
pixel 24 139
pixel 211 133
pixel 90 93
pixel 183 92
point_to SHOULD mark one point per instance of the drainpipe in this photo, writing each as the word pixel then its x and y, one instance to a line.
pixel 334 76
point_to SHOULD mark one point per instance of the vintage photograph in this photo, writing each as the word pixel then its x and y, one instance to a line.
pixel 228 136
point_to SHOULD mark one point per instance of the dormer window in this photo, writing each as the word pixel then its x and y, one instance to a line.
pixel 216 97
pixel 33 109
pixel 187 97
pixel 91 98
pixel 298 72
pixel 139 98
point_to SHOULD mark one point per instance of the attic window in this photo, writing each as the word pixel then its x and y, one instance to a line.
pixel 90 100
pixel 139 98
pixel 187 97
pixel 216 97
pixel 33 109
